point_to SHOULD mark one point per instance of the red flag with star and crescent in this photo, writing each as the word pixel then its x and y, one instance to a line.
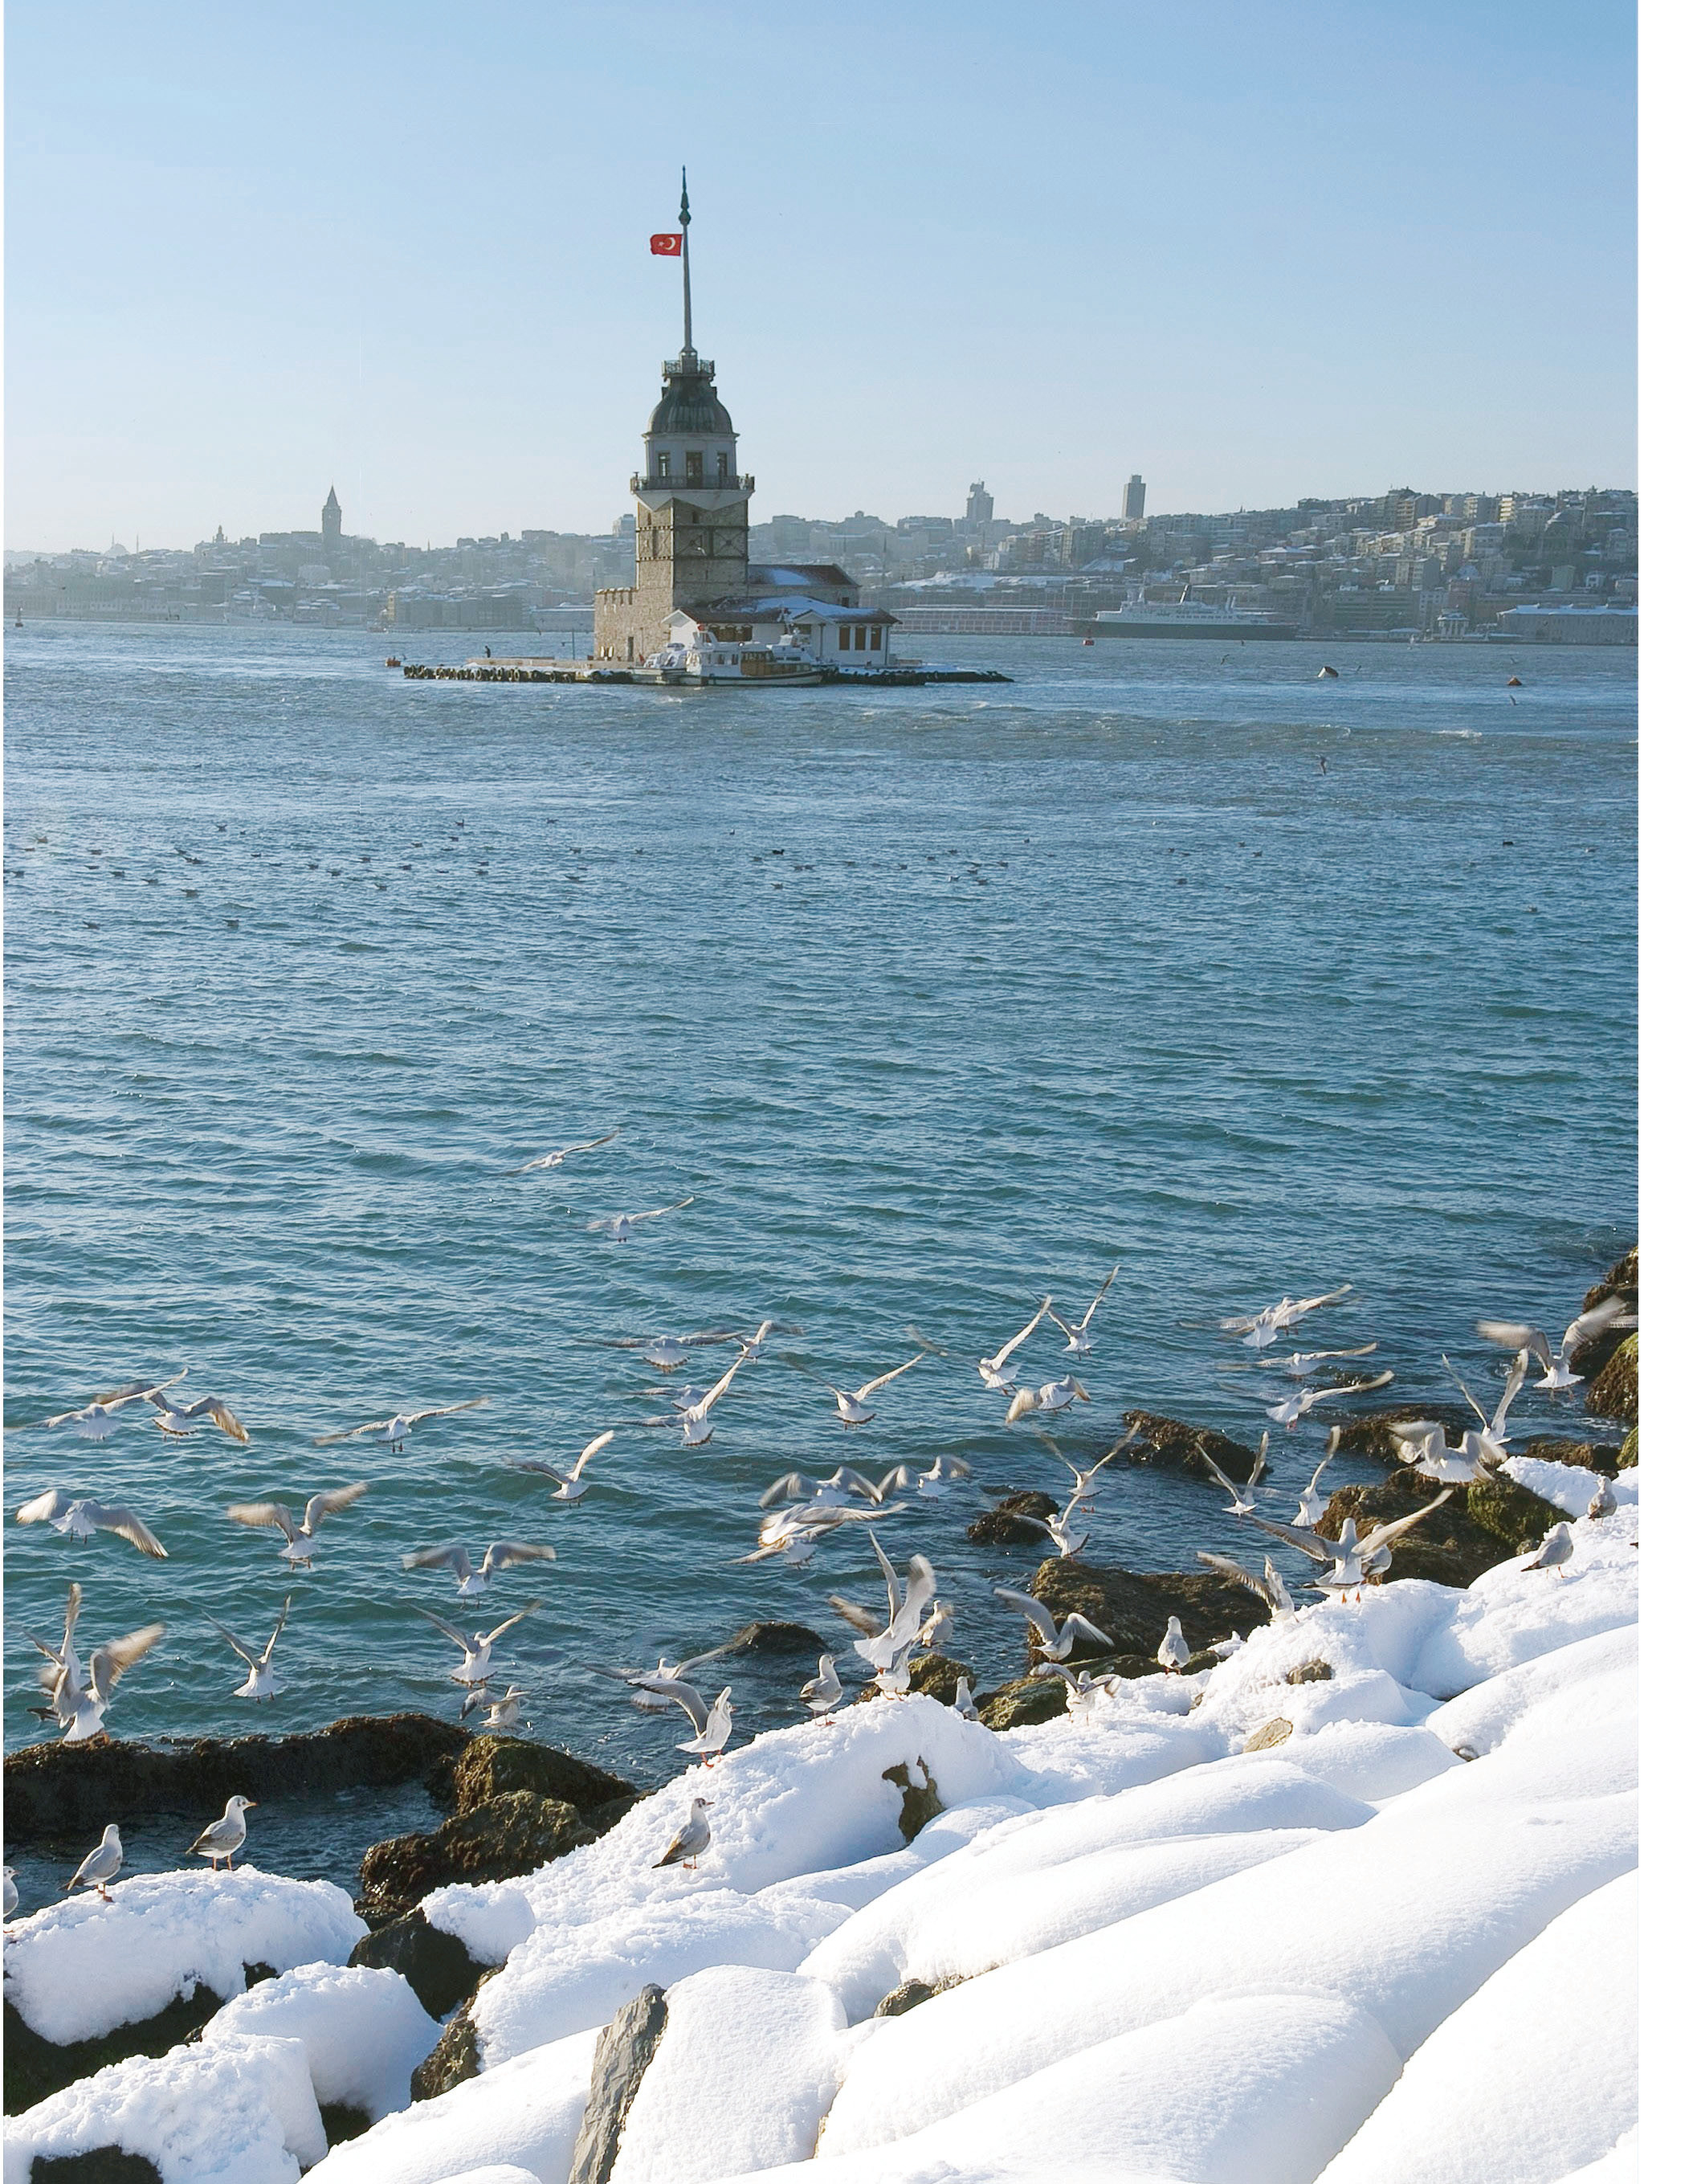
pixel 665 246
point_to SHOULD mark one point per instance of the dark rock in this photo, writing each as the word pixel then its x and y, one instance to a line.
pixel 909 1993
pixel 1133 1609
pixel 59 1789
pixel 1310 1672
pixel 626 2046
pixel 920 1801
pixel 437 1967
pixel 1016 1705
pixel 1628 1455
pixel 1623 1283
pixel 1479 1526
pixel 1174 1444
pixel 937 1677
pixel 780 1638
pixel 1600 1456
pixel 1616 1393
pixel 104 2164
pixel 498 1839
pixel 1371 1437
pixel 491 1766
pixel 1002 1526
pixel 35 2067
pixel 341 2123
pixel 255 1973
pixel 456 2056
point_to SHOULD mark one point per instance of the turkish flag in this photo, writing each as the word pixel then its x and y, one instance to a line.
pixel 666 245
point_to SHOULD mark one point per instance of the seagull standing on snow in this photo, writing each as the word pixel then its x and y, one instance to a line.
pixel 299 1541
pixel 994 1370
pixel 1078 1344
pixel 100 1866
pixel 397 1430
pixel 225 1835
pixel 261 1682
pixel 1173 1651
pixel 80 1519
pixel 1604 1502
pixel 692 1838
pixel 824 1690
pixel 503 1554
pixel 618 1228
pixel 1554 1551
pixel 1515 1334
pixel 11 1896
pixel 964 1701
pixel 571 1484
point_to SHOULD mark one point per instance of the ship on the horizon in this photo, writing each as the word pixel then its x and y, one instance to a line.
pixel 1187 617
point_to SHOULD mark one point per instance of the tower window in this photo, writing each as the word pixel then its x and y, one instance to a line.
pixel 664 466
pixel 722 470
pixel 696 467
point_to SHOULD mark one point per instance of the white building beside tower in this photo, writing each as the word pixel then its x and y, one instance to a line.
pixel 691 568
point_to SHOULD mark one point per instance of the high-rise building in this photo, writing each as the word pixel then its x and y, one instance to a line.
pixel 1134 499
pixel 331 519
pixel 978 510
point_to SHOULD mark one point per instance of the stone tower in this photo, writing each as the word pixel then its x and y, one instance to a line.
pixel 690 503
pixel 332 521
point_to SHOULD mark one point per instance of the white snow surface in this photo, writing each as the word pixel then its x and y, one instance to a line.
pixel 1536 2073
pixel 526 2113
pixel 1570 1486
pixel 241 2113
pixel 363 2031
pixel 769 2045
pixel 1394 1945
pixel 78 1968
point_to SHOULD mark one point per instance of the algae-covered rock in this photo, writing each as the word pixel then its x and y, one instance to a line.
pixel 919 1800
pixel 910 1992
pixel 436 1966
pixel 1133 1609
pixel 1013 1522
pixel 1510 1512
pixel 491 1766
pixel 1174 1444
pixel 505 1836
pixel 1630 1453
pixel 1616 1394
pixel 1601 1456
pixel 456 2056
pixel 1017 1704
pixel 937 1676
pixel 1478 1526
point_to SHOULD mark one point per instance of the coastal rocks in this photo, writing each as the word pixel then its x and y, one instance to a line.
pixel 936 1676
pixel 491 1766
pixel 436 1966
pixel 1616 1393
pixel 999 1527
pixel 1605 1458
pixel 105 2165
pixel 921 1799
pixel 1371 1436
pixel 776 1638
pixel 1480 1526
pixel 1021 1704
pixel 36 2068
pixel 507 1834
pixel 1269 1735
pixel 1174 1444
pixel 1628 1455
pixel 624 2049
pixel 1310 1672
pixel 58 1789
pixel 909 1993
pixel 1593 1358
pixel 457 2055
pixel 1134 1609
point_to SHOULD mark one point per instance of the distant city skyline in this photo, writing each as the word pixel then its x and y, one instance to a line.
pixel 1346 246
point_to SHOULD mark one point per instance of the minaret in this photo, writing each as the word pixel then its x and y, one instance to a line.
pixel 691 502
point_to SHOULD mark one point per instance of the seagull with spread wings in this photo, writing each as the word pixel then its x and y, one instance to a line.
pixel 618 1228
pixel 1269 1588
pixel 503 1554
pixel 1051 1640
pixel 1259 1329
pixel 299 1540
pixel 1291 1412
pixel 261 1680
pixel 564 1153
pixel 1241 1499
pixel 100 1419
pixel 997 1374
pixel 1517 1334
pixel 397 1430
pixel 79 1518
pixel 884 1644
pixel 852 1406
pixel 80 1708
pixel 570 1484
pixel 1078 1343
pixel 478 1648
pixel 178 1419
pixel 1351 1559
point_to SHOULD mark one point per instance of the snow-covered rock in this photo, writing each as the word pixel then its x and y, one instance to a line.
pixel 241 2113
pixel 79 1967
pixel 363 2031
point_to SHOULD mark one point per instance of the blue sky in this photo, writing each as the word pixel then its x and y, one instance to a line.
pixel 1251 251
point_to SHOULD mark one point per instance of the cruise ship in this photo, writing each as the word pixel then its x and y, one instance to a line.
pixel 1186 617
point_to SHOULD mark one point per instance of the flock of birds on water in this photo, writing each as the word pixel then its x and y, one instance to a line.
pixel 800 1512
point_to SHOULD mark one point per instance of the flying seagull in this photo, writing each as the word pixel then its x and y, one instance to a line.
pixel 397 1430
pixel 570 1484
pixel 99 1420
pixel 618 1228
pixel 261 1681
pixel 1269 1588
pixel 80 1519
pixel 552 1159
pixel 851 1404
pixel 299 1541
pixel 1052 1395
pixel 1514 1334
pixel 178 1419
pixel 994 1370
pixel 1078 1343
pixel 1352 1559
pixel 1241 1501
pixel 1311 1504
pixel 478 1648
pixel 1051 1640
pixel 1290 1412
pixel 80 1708
pixel 882 1645
pixel 503 1554
pixel 1259 1329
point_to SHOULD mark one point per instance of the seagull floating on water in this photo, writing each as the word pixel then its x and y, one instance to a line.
pixel 100 1866
pixel 570 1484
pixel 299 1541
pixel 690 1838
pixel 397 1430
pixel 503 1554
pixel 1077 1343
pixel 261 1681
pixel 224 1838
pixel 78 1518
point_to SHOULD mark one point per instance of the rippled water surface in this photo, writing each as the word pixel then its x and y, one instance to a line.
pixel 933 1000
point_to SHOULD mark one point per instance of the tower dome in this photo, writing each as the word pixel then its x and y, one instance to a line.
pixel 689 407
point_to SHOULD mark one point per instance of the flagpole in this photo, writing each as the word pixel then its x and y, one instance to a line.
pixel 686 290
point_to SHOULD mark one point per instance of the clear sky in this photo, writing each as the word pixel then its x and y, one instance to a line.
pixel 1251 250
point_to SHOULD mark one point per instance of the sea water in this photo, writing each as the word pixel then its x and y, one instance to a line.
pixel 1163 956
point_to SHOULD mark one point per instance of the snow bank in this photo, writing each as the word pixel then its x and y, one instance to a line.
pixel 78 1968
pixel 769 2046
pixel 1570 1486
pixel 1534 2075
pixel 525 2114
pixel 1511 1614
pixel 1481 1719
pixel 363 2031
pixel 241 2113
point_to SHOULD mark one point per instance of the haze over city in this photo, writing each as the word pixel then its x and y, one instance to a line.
pixel 407 250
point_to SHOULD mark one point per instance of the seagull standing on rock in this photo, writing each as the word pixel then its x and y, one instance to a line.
pixel 690 1838
pixel 101 1865
pixel 226 1835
